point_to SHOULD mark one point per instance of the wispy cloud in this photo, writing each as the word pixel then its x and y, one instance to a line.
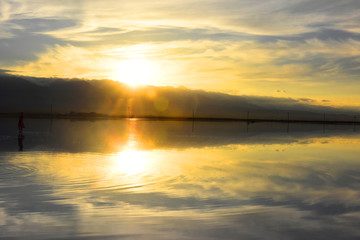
pixel 254 47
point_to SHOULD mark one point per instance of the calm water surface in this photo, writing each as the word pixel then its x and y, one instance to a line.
pixel 135 179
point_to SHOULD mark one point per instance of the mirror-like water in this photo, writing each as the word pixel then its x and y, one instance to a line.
pixel 136 179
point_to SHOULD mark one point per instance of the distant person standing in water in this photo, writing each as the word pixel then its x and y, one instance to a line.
pixel 21 122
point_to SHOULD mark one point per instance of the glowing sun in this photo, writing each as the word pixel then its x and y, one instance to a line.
pixel 134 71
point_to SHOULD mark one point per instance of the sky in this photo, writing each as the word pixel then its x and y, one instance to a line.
pixel 277 48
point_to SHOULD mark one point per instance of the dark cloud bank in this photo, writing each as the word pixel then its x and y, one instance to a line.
pixel 38 95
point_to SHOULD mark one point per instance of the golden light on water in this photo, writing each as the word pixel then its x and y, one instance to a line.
pixel 151 174
pixel 130 162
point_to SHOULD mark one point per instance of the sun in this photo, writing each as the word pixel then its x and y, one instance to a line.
pixel 134 71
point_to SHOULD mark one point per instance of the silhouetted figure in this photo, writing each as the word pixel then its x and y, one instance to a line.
pixel 20 141
pixel 21 122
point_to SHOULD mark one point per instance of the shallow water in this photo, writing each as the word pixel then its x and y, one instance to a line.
pixel 136 179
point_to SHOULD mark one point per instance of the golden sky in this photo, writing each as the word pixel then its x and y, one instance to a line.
pixel 280 48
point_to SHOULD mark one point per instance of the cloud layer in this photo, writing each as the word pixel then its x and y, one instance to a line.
pixel 303 48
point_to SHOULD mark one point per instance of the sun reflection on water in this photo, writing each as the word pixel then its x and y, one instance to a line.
pixel 130 162
pixel 148 177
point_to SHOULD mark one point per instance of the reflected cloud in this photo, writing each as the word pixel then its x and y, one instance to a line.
pixel 225 180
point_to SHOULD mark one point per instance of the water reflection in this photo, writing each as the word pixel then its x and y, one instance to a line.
pixel 162 180
pixel 20 141
pixel 114 136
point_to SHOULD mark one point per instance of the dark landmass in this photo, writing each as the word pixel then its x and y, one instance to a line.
pixel 106 99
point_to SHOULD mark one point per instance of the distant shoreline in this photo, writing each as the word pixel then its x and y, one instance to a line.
pixel 96 116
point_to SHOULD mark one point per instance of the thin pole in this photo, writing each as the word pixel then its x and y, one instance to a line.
pixel 355 123
pixel 193 121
